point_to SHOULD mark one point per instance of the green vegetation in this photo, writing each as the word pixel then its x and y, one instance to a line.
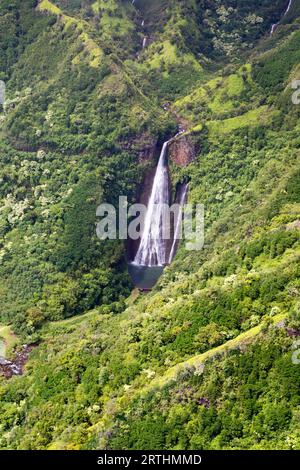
pixel 8 340
pixel 204 410
pixel 204 360
pixel 251 118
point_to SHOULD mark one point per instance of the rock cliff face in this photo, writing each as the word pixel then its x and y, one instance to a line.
pixel 147 152
pixel 182 150
pixel 143 146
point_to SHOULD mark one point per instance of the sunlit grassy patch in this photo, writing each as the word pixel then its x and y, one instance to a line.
pixel 218 95
pixel 251 118
pixel 95 52
pixel 7 340
pixel 45 5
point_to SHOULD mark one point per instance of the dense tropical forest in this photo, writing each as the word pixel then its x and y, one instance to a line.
pixel 207 359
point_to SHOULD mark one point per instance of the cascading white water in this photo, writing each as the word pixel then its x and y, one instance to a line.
pixel 274 26
pixel 178 221
pixel 153 247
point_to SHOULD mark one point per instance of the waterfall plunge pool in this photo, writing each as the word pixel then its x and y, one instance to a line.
pixel 151 256
pixel 154 251
pixel 144 277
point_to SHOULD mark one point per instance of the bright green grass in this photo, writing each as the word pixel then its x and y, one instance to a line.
pixel 169 55
pixel 94 51
pixel 113 18
pixel 7 340
pixel 195 361
pixel 218 94
pixel 102 5
pixel 260 115
pixel 45 5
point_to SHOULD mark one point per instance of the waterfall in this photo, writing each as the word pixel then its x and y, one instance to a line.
pixel 144 42
pixel 178 222
pixel 274 26
pixel 152 249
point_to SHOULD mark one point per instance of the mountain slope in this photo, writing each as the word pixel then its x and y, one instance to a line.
pixel 81 109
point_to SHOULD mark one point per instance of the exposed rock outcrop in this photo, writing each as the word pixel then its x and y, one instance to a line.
pixel 182 150
pixel 294 225
pixel 16 365
pixel 143 146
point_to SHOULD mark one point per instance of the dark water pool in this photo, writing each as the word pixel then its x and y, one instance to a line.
pixel 145 277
